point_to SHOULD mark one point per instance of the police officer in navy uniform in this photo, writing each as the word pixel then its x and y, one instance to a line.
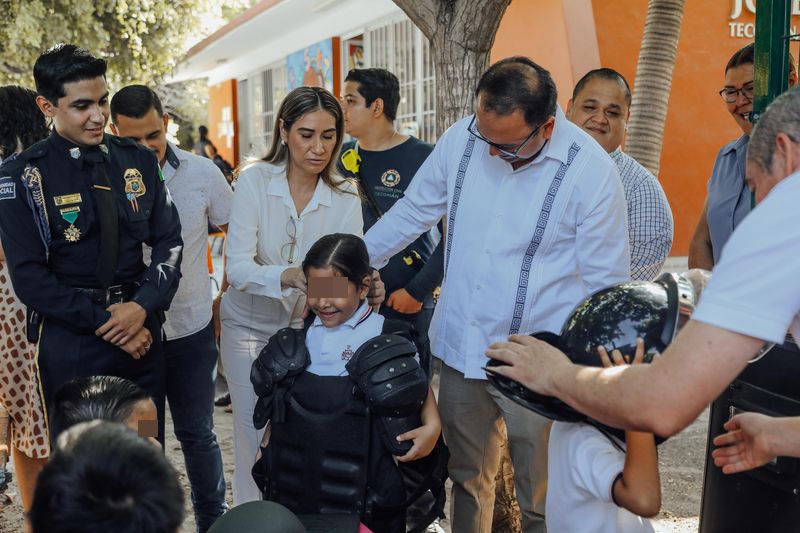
pixel 75 210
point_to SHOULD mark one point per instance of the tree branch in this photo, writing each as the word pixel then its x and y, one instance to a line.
pixel 422 13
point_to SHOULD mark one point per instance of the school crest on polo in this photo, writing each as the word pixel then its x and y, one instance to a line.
pixel 390 178
pixel 348 353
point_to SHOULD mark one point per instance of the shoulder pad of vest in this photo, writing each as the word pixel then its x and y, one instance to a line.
pixel 285 355
pixel 386 372
pixel 377 350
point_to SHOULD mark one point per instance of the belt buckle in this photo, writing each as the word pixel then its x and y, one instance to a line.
pixel 114 295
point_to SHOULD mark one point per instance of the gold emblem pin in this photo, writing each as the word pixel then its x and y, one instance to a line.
pixel 134 187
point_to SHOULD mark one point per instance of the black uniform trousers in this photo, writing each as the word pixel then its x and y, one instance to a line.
pixel 65 354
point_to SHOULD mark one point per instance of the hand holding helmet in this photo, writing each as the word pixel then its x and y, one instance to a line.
pixel 614 317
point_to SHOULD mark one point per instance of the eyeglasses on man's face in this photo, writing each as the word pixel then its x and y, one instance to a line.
pixel 509 151
pixel 731 94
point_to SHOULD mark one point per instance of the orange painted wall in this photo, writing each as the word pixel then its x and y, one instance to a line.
pixel 540 31
pixel 223 127
pixel 697 122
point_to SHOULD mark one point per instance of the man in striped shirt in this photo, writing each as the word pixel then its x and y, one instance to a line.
pixel 600 105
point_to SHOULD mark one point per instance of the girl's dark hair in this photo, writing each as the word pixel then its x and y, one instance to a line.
pixel 94 398
pixel 298 103
pixel 107 478
pixel 342 251
pixel 23 123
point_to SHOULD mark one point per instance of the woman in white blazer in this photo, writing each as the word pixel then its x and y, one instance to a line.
pixel 281 206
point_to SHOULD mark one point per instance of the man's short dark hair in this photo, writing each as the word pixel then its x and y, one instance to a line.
pixel 135 101
pixel 517 83
pixel 374 83
pixel 93 398
pixel 105 479
pixel 604 73
pixel 65 63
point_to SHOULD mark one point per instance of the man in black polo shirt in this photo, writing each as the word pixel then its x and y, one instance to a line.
pixel 384 162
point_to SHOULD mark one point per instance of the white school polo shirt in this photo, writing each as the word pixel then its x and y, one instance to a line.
pixel 332 348
pixel 582 465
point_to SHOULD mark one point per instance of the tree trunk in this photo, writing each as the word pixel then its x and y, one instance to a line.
pixel 653 83
pixel 461 34
pixel 506 518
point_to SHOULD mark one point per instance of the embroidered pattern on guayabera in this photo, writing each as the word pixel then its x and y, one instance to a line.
pixel 451 219
pixel 541 225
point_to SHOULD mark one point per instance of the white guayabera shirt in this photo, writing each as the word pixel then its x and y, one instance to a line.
pixel 522 247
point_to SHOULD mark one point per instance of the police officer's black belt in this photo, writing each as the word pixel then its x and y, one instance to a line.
pixel 115 294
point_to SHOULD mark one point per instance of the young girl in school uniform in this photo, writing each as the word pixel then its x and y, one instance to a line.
pixel 306 451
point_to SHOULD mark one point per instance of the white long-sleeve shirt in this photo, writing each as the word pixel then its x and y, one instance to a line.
pixel 522 247
pixel 257 233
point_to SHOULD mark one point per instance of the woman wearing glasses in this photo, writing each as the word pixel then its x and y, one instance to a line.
pixel 729 200
pixel 282 205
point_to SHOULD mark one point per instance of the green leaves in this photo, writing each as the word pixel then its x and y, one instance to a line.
pixel 142 40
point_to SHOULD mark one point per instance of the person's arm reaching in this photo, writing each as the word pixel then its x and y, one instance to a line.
pixel 662 398
pixel 753 440
pixel 429 277
pixel 701 254
pixel 638 487
pixel 219 197
pixel 425 436
pixel 424 203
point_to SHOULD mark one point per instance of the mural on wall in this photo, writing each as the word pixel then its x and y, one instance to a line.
pixel 312 66
pixel 355 55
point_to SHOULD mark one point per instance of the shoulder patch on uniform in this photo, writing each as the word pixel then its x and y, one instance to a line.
pixel 8 188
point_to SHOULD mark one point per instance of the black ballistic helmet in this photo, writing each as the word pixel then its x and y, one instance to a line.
pixel 614 318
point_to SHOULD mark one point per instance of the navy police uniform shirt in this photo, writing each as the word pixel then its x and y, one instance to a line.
pixel 51 236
